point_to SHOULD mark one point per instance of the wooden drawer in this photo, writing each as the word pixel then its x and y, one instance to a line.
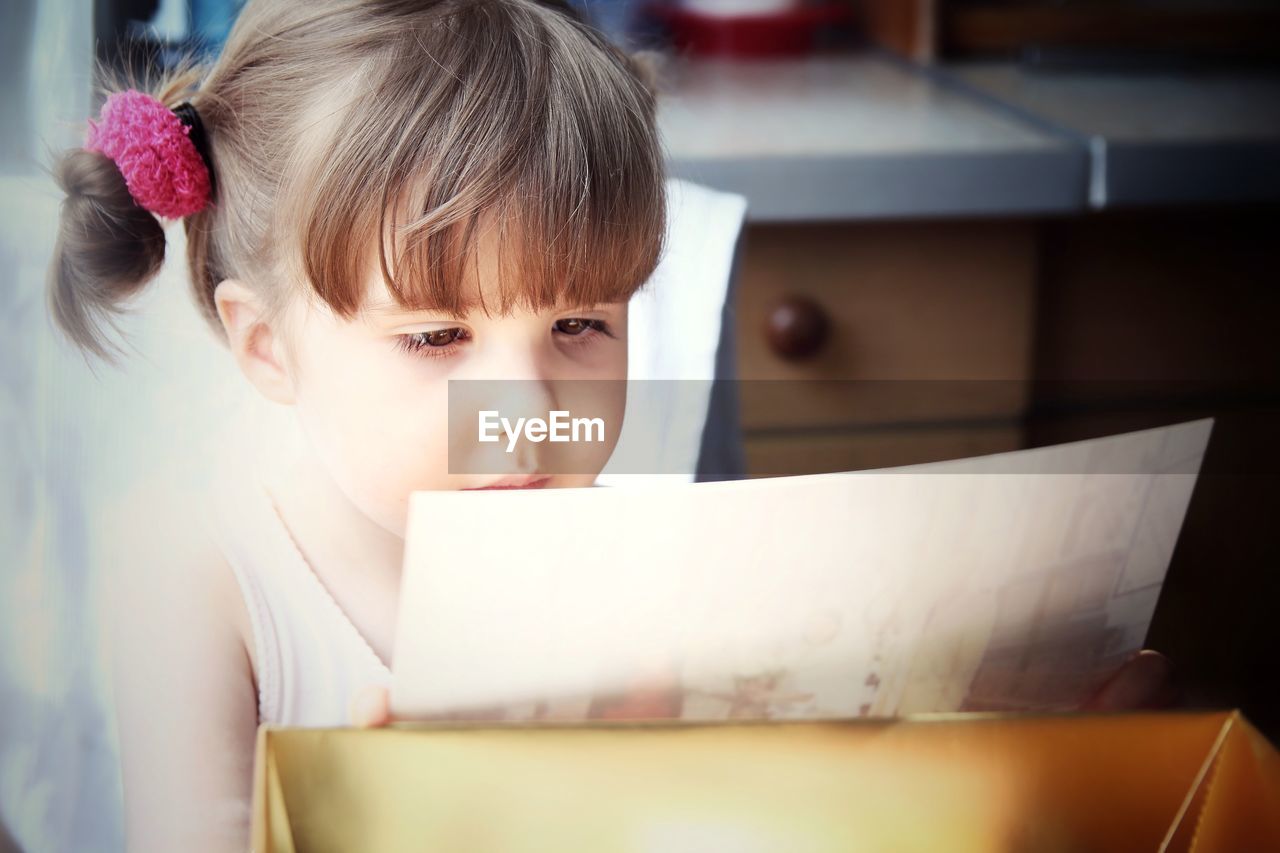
pixel 947 302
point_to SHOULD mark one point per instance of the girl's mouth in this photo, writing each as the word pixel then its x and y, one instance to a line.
pixel 527 482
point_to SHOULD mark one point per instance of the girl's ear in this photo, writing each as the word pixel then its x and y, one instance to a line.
pixel 257 344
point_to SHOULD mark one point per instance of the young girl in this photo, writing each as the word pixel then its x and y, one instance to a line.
pixel 378 197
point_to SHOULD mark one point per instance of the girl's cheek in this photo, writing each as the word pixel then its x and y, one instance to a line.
pixel 382 432
pixel 380 463
pixel 406 432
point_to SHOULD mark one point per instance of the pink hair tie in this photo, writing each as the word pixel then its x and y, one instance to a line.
pixel 152 147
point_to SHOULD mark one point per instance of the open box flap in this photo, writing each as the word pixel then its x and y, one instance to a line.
pixel 1182 830
pixel 1241 802
pixel 270 830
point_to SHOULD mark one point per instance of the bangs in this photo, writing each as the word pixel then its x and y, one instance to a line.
pixel 494 114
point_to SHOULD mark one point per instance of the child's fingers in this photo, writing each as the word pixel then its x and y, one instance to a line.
pixel 370 707
pixel 1143 682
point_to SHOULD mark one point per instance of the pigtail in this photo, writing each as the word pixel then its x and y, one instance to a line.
pixel 107 249
pixel 108 246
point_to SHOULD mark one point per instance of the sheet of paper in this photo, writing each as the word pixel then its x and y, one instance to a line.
pixel 1016 581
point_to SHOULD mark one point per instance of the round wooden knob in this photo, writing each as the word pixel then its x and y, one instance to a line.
pixel 796 328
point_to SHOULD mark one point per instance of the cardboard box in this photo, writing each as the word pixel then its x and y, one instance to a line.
pixel 1126 782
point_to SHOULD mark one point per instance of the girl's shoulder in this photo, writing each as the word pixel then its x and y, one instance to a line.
pixel 182 682
pixel 163 555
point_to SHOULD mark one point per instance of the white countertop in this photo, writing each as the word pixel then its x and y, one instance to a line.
pixel 825 106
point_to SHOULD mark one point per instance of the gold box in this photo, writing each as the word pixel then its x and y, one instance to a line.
pixel 1177 781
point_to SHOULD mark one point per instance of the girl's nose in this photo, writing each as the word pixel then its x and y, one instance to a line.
pixel 528 458
pixel 510 383
pixel 518 376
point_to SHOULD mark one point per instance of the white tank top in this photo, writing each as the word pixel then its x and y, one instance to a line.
pixel 311 659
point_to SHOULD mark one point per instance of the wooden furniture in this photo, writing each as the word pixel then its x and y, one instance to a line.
pixel 873 344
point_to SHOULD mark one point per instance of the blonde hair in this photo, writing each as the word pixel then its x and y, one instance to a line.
pixel 333 123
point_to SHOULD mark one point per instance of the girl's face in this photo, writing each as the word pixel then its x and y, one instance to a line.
pixel 372 393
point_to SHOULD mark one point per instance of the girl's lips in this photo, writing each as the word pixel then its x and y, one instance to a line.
pixel 513 483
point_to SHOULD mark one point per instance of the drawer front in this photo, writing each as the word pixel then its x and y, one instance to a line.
pixel 931 321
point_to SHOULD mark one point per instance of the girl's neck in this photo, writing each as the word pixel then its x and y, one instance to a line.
pixel 335 536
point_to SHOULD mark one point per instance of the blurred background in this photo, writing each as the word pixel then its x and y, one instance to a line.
pixel 974 226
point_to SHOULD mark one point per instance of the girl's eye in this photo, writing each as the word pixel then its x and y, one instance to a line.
pixel 437 343
pixel 582 327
